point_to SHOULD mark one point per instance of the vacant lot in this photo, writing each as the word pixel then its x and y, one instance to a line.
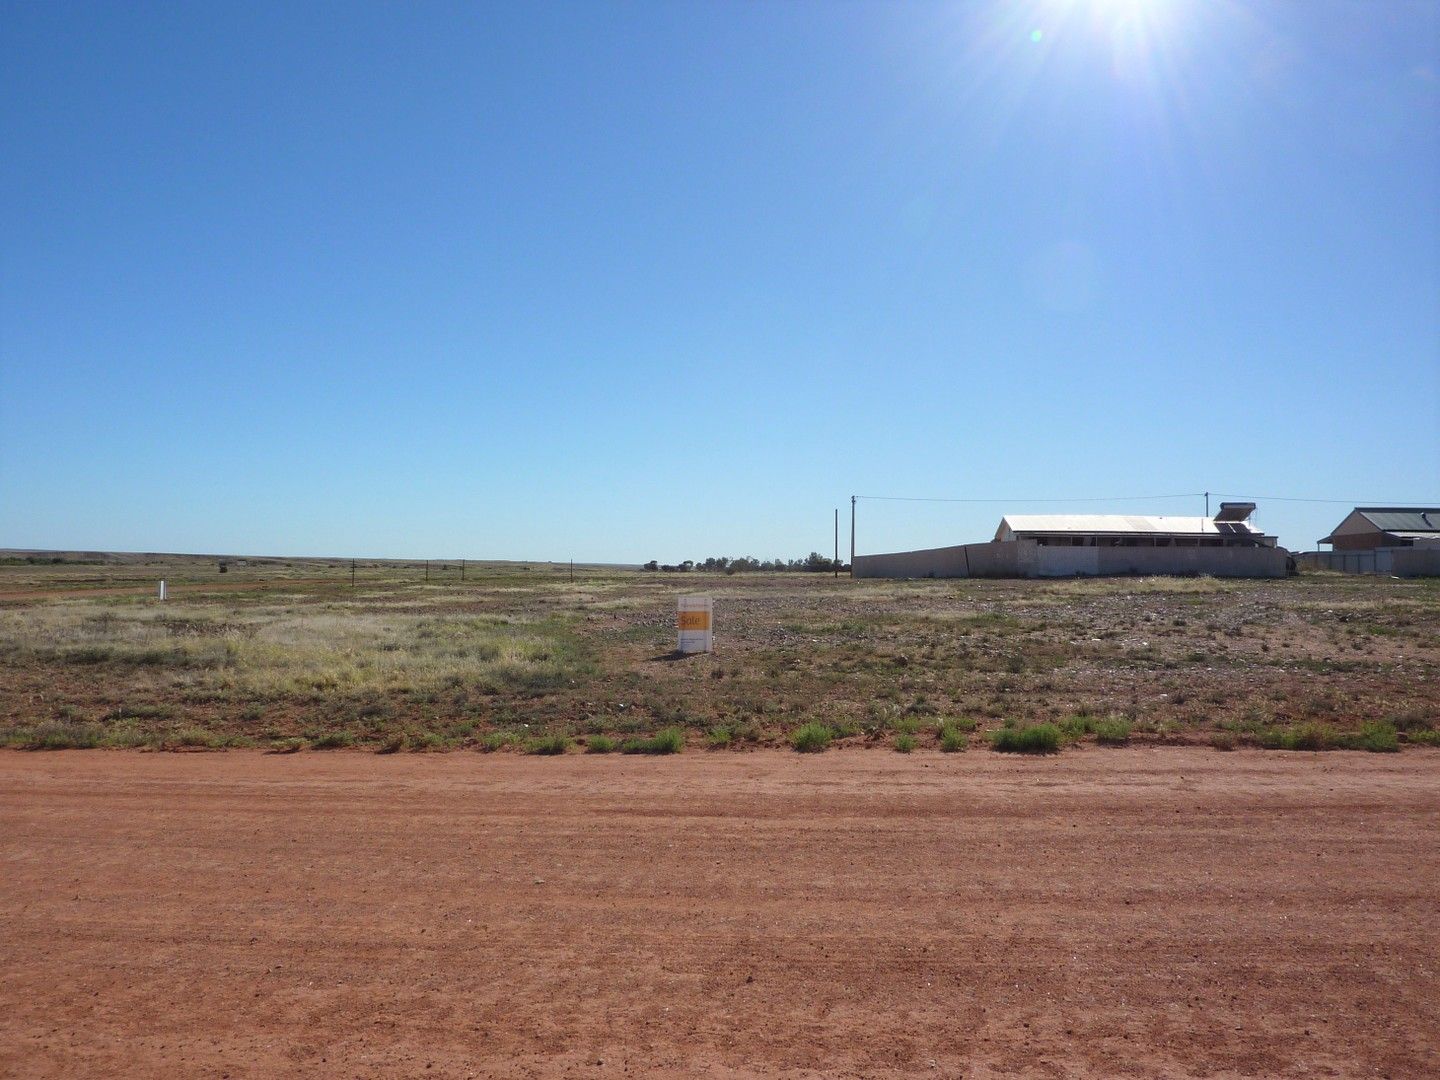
pixel 289 653
pixel 1159 912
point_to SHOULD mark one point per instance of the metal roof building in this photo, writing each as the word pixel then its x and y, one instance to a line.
pixel 1368 527
pixel 1063 545
pixel 1229 528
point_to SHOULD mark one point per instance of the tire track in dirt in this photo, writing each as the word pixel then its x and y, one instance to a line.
pixel 1146 912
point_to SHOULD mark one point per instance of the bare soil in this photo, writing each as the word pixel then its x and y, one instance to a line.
pixel 1168 911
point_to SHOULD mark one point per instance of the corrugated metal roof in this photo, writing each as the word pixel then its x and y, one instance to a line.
pixel 1415 535
pixel 1401 518
pixel 1145 524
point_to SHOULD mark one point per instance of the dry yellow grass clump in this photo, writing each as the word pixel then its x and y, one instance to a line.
pixel 285 650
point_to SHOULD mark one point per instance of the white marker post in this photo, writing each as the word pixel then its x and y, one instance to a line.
pixel 162 590
pixel 694 617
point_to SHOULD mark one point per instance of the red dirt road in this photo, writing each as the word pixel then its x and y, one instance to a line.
pixel 1166 912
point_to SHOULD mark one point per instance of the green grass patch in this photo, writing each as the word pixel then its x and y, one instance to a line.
pixel 140 712
pixel 1379 737
pixel 198 739
pixel 718 738
pixel 1036 739
pixel 958 723
pixel 334 740
pixel 496 740
pixel 1305 737
pixel 421 741
pixel 601 744
pixel 811 738
pixel 548 745
pixel 668 741
pixel 904 744
pixel 58 735
pixel 1112 732
pixel 1424 738
pixel 953 740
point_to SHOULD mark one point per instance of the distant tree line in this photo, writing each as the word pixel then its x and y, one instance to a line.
pixel 814 563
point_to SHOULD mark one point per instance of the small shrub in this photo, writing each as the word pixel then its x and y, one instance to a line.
pixel 287 746
pixel 140 712
pixel 1112 732
pixel 905 725
pixel 548 745
pixel 334 740
pixel 600 744
pixel 1424 738
pixel 719 737
pixel 668 741
pixel 1379 737
pixel 428 740
pixel 496 740
pixel 811 738
pixel 59 735
pixel 129 737
pixel 1222 740
pixel 198 739
pixel 1270 738
pixel 1307 737
pixel 395 742
pixel 953 740
pixel 1410 720
pixel 905 743
pixel 957 723
pixel 1039 739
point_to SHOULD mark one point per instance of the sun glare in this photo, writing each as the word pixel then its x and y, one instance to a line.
pixel 1133 36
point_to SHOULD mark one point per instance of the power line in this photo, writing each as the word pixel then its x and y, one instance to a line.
pixel 1151 498
pixel 1123 498
pixel 1335 502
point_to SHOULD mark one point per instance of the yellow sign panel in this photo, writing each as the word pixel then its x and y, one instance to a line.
pixel 694 620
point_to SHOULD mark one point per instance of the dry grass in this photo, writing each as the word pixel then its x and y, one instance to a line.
pixel 508 657
pixel 290 651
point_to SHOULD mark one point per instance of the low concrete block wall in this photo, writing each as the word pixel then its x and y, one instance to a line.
pixel 1053 561
pixel 1423 561
pixel 1373 561
pixel 928 562
pixel 1213 561
pixel 1416 561
pixel 1026 558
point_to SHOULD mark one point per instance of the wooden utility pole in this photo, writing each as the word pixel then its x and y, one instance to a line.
pixel 352 573
pixel 837 541
pixel 462 569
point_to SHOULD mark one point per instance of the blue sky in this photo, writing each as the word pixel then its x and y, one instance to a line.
pixel 632 281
